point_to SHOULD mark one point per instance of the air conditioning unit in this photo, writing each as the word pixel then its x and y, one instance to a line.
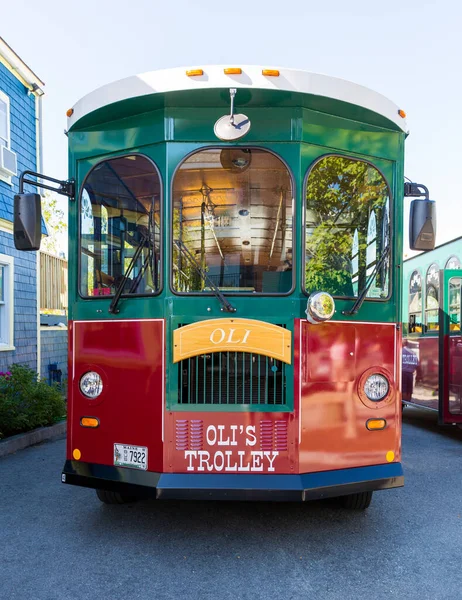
pixel 8 162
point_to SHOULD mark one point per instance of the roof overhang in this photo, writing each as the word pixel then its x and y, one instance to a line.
pixel 289 80
pixel 19 68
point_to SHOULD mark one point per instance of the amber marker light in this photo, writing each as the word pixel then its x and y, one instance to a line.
pixel 70 112
pixel 89 422
pixel 233 71
pixel 195 73
pixel 376 424
pixel 402 114
pixel 76 454
pixel 270 72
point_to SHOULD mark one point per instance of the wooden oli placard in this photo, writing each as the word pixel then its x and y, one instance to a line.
pixel 241 335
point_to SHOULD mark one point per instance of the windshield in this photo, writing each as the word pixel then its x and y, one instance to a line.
pixel 232 210
pixel 120 220
pixel 347 228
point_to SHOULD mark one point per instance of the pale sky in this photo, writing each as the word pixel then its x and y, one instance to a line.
pixel 408 50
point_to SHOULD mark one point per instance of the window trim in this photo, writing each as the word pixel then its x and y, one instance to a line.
pixel 424 304
pixel 422 289
pixel 3 177
pixel 449 259
pixel 303 233
pixel 161 240
pixel 8 261
pixel 294 225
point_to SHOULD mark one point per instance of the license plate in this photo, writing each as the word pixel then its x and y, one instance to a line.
pixel 135 457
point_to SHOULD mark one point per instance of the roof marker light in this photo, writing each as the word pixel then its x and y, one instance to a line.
pixel 270 72
pixel 402 114
pixel 195 73
pixel 233 71
pixel 70 112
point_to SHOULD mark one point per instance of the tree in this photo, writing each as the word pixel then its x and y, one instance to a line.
pixel 55 219
pixel 342 194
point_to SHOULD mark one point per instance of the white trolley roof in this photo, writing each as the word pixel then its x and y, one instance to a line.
pixel 292 80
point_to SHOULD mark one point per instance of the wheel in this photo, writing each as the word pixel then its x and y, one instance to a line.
pixel 114 497
pixel 359 501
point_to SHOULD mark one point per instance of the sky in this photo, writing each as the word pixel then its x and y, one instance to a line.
pixel 408 50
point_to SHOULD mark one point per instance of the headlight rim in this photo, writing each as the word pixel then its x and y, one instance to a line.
pixel 375 404
pixel 96 398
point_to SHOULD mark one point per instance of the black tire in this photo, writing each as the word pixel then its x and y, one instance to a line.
pixel 114 497
pixel 359 501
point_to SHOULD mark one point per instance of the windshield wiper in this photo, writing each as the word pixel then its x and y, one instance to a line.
pixel 226 306
pixel 362 296
pixel 120 288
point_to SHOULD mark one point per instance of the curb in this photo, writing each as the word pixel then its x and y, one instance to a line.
pixel 36 436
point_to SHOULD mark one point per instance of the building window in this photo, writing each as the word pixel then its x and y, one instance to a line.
pixel 4 131
pixel 6 302
pixel 432 298
pixel 415 303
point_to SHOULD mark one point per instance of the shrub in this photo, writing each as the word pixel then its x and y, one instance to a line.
pixel 27 402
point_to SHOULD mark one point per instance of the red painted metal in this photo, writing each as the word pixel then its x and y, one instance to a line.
pixel 129 356
pixel 326 431
pixel 333 358
pixel 225 442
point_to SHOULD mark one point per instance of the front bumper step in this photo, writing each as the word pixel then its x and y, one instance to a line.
pixel 179 486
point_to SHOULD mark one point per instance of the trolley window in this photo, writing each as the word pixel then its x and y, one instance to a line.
pixel 232 220
pixel 415 303
pixel 347 228
pixel 453 263
pixel 432 298
pixel 120 224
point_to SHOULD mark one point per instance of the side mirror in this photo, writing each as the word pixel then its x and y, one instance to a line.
pixel 27 221
pixel 422 225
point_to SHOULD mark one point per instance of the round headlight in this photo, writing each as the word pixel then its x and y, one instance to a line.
pixel 376 387
pixel 320 307
pixel 91 384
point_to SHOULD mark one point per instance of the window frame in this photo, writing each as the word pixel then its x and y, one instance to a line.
pixel 446 266
pixel 422 289
pixel 391 217
pixel 7 305
pixel 425 305
pixel 161 238
pixel 294 226
pixel 6 99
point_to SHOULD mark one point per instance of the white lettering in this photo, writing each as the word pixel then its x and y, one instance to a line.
pixel 233 432
pixel 204 458
pixel 221 441
pixel 230 338
pixel 229 467
pixel 222 336
pixel 250 432
pixel 190 454
pixel 241 466
pixel 247 333
pixel 213 441
pixel 257 464
pixel 270 460
pixel 219 455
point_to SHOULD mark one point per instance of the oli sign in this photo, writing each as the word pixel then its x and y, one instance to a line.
pixel 224 335
pixel 223 455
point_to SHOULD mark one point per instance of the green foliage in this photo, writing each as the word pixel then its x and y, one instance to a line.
pixel 27 402
pixel 341 195
pixel 56 223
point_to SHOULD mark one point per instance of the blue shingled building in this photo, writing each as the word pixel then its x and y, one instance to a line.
pixel 21 94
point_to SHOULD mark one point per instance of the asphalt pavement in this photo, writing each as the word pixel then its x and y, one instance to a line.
pixel 58 542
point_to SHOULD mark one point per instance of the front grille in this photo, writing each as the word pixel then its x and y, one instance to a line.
pixel 231 378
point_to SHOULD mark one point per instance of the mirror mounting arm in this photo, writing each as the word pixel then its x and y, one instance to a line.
pixel 66 188
pixel 415 190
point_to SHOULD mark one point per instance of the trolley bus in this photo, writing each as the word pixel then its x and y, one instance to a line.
pixel 432 343
pixel 235 286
